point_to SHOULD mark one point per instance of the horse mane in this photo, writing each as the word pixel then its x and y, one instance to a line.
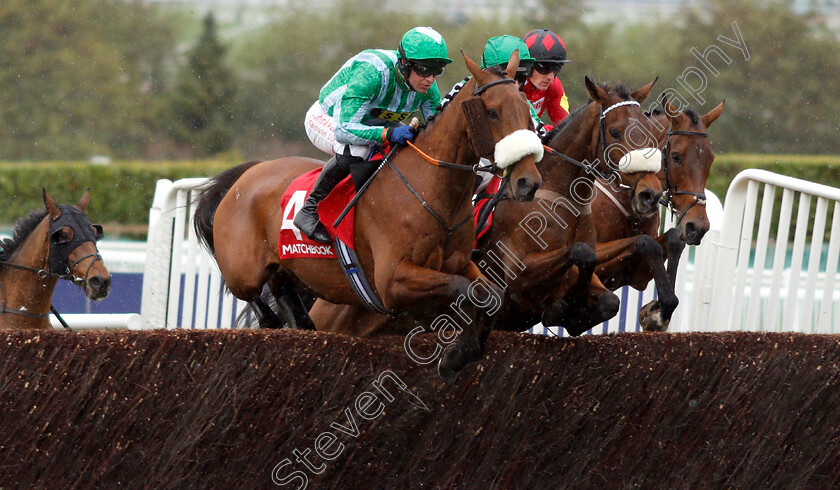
pixel 23 228
pixel 562 124
pixel 691 113
pixel 620 90
pixel 446 99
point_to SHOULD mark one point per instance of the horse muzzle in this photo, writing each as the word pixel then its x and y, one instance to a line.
pixel 97 287
pixel 693 230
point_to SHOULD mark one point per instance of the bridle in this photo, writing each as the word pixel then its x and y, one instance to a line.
pixel 450 230
pixel 670 186
pixel 58 261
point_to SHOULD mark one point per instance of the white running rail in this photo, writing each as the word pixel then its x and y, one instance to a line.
pixel 182 286
pixel 769 294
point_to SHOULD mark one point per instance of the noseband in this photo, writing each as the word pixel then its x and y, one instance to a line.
pixel 670 186
pixel 59 265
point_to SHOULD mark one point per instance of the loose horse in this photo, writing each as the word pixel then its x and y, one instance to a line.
pixel 630 249
pixel 414 232
pixel 57 242
pixel 542 252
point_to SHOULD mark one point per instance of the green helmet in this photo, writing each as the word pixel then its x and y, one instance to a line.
pixel 498 49
pixel 425 44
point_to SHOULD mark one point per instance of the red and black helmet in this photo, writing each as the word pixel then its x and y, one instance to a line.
pixel 546 46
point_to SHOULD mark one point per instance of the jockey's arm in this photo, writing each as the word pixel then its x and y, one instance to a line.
pixel 355 103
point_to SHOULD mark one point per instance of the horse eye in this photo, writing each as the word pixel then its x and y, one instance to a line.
pixel 492 114
pixel 676 157
pixel 616 134
pixel 61 237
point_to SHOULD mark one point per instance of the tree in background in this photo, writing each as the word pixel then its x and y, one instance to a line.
pixel 203 102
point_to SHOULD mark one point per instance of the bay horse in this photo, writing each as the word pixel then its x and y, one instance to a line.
pixel 414 232
pixel 630 249
pixel 542 252
pixel 57 242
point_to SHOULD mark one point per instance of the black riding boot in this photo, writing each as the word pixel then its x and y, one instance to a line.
pixel 307 219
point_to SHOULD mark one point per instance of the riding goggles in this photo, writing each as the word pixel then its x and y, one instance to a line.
pixel 524 72
pixel 546 68
pixel 425 70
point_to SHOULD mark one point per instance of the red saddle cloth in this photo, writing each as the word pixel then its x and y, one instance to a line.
pixel 292 244
pixel 481 229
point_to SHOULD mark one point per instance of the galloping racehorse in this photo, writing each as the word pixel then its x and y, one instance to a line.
pixel 542 252
pixel 630 249
pixel 414 233
pixel 54 243
pixel 547 247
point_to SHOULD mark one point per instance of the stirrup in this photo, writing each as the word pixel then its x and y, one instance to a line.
pixel 319 234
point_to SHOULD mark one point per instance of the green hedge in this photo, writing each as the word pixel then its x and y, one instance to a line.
pixel 122 192
pixel 824 169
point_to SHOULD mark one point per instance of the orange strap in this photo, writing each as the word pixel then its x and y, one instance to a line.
pixel 426 157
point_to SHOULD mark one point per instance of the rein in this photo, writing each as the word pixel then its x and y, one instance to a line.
pixel 450 230
pixel 670 186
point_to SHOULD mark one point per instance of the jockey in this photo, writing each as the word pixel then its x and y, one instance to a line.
pixel 364 104
pixel 496 55
pixel 543 88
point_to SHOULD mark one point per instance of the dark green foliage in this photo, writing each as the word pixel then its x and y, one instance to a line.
pixel 203 99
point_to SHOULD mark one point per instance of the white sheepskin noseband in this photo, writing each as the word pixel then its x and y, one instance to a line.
pixel 643 160
pixel 516 146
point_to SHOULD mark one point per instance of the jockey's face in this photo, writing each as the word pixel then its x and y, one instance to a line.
pixel 420 84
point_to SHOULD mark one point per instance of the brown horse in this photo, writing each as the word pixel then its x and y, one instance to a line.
pixel 414 232
pixel 542 252
pixel 630 249
pixel 54 243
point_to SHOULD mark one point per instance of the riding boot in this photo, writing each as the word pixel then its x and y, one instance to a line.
pixel 307 220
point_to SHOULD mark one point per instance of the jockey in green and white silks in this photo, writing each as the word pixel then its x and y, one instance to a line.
pixel 364 104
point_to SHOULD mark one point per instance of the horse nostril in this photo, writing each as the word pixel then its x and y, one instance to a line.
pixel 646 198
pixel 94 282
pixel 526 187
pixel 690 229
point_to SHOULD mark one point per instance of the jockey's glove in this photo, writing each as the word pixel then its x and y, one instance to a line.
pixel 400 134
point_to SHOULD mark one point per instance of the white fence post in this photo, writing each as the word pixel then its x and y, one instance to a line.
pixel 755 298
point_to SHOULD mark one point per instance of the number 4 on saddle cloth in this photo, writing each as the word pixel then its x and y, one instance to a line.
pixel 293 244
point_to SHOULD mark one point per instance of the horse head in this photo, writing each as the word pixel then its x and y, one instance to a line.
pixel 72 246
pixel 498 119
pixel 630 149
pixel 686 164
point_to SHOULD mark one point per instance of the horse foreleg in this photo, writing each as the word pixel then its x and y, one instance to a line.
pixel 634 261
pixel 290 304
pixel 473 294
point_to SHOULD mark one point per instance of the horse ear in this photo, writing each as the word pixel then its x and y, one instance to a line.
pixel 84 201
pixel 713 114
pixel 595 91
pixel 513 64
pixel 670 111
pixel 473 67
pixel 52 207
pixel 641 93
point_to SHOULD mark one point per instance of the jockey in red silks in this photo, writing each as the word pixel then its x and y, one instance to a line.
pixel 543 88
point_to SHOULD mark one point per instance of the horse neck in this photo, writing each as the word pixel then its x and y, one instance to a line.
pixel 575 141
pixel 24 287
pixel 445 139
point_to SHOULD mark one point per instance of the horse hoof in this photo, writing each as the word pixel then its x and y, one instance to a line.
pixel 450 362
pixel 650 318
